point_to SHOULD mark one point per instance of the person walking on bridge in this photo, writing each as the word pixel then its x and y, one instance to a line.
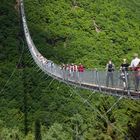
pixel 80 72
pixel 137 75
pixel 133 66
pixel 110 67
pixel 124 73
pixel 134 62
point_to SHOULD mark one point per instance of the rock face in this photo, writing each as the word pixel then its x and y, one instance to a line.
pixel 97 29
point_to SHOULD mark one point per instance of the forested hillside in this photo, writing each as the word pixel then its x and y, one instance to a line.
pixel 67 29
pixel 34 106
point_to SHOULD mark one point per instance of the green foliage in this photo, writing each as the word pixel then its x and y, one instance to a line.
pixel 64 31
pixel 10 133
pixel 37 130
pixel 70 33
pixel 57 132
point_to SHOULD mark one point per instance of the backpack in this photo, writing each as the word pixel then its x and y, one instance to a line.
pixel 110 67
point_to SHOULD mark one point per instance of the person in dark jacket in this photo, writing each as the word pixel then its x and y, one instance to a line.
pixel 124 73
pixel 110 70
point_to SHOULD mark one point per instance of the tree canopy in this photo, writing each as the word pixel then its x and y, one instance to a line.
pixel 66 31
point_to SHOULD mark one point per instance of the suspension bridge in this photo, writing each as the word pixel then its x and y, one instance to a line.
pixel 93 80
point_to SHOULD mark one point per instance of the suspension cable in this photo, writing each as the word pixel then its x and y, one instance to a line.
pixel 97 111
pixel 114 105
pixel 14 70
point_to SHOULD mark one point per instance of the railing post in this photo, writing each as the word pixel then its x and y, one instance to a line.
pixel 94 76
pixel 127 82
pixel 98 81
pixel 80 78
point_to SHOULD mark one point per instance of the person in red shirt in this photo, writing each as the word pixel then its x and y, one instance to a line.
pixel 80 72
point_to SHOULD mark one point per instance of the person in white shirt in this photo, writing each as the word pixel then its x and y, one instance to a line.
pixel 133 66
pixel 135 61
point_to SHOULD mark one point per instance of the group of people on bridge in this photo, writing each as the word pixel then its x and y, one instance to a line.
pixel 76 72
pixel 134 67
pixel 72 70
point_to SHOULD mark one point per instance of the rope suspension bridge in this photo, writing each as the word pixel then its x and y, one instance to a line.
pixel 93 80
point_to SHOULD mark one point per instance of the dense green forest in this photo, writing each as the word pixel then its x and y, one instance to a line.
pixel 33 105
